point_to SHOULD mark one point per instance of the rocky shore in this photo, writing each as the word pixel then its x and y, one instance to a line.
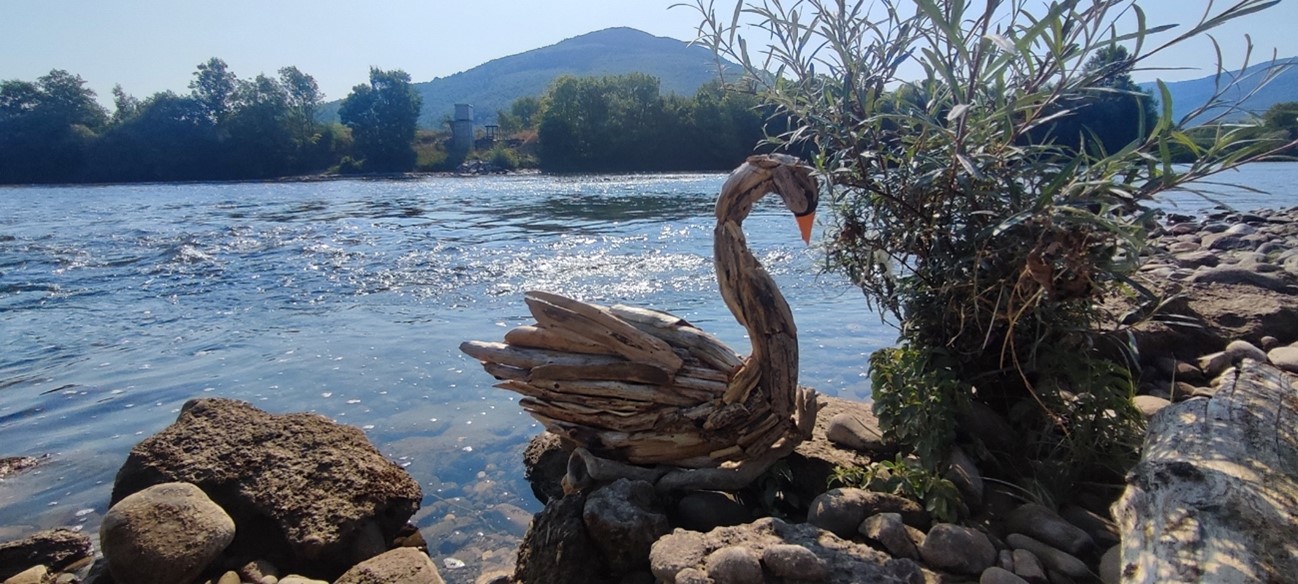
pixel 230 494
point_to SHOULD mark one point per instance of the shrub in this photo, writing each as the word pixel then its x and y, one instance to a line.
pixel 985 237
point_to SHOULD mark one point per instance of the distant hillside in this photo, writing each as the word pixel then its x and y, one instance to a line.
pixel 495 85
pixel 1187 95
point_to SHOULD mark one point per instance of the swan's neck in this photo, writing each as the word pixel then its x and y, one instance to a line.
pixel 754 299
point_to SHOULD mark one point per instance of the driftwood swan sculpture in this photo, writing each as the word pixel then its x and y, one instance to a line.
pixel 644 394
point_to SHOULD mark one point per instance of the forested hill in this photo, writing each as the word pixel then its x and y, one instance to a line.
pixel 495 85
pixel 1187 95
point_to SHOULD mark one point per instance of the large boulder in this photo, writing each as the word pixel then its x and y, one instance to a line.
pixel 308 494
pixel 165 534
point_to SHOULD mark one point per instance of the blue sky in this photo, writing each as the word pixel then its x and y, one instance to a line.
pixel 154 45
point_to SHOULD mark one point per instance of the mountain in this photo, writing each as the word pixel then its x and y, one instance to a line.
pixel 495 85
pixel 1187 95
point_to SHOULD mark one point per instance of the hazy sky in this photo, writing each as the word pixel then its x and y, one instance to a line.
pixel 154 45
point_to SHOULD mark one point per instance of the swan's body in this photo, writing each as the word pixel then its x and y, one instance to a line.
pixel 648 388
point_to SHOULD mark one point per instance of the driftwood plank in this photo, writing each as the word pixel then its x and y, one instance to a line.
pixel 1215 495
pixel 526 358
pixel 625 371
pixel 597 325
pixel 543 338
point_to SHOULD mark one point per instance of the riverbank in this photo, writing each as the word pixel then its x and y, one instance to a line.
pixel 1237 274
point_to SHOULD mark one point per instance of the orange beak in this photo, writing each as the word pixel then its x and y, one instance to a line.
pixel 804 225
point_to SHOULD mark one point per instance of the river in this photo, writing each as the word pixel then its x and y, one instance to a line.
pixel 349 298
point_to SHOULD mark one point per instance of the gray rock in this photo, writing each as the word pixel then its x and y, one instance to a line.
pixel 842 510
pixel 954 548
pixel 1238 350
pixel 856 430
pixel 889 531
pixel 557 547
pixel 1285 358
pixel 1111 565
pixel 1150 405
pixel 1197 259
pixel 300 487
pixel 997 575
pixel 1101 529
pixel 164 534
pixel 55 549
pixel 1051 558
pixel 733 565
pixel 1269 342
pixel 545 461
pixel 1028 567
pixel 708 510
pixel 794 562
pixel 1184 246
pixel 1189 373
pixel 1044 525
pixel 679 550
pixel 495 577
pixel 399 566
pixel 964 473
pixel 624 519
pixel 1236 275
pixel 1005 560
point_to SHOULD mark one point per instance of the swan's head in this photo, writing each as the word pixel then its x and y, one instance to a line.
pixel 793 182
pixel 761 174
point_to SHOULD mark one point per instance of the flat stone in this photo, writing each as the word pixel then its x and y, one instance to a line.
pixel 1051 558
pixel 856 430
pixel 1285 358
pixel 1101 529
pixel 1046 526
pixel 675 552
pixel 958 549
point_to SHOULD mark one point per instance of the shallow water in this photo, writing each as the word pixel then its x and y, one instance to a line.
pixel 349 298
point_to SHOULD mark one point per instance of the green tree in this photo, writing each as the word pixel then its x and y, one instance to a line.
pixel 214 86
pixel 383 116
pixel 1282 117
pixel 46 127
pixel 1108 115
pixel 263 129
pixel 603 124
pixel 304 98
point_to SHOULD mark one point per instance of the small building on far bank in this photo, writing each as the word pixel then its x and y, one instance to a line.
pixel 462 128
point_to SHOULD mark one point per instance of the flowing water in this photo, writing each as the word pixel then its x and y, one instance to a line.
pixel 349 298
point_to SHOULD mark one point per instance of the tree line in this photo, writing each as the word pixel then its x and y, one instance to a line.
pixel 53 129
pixel 226 128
